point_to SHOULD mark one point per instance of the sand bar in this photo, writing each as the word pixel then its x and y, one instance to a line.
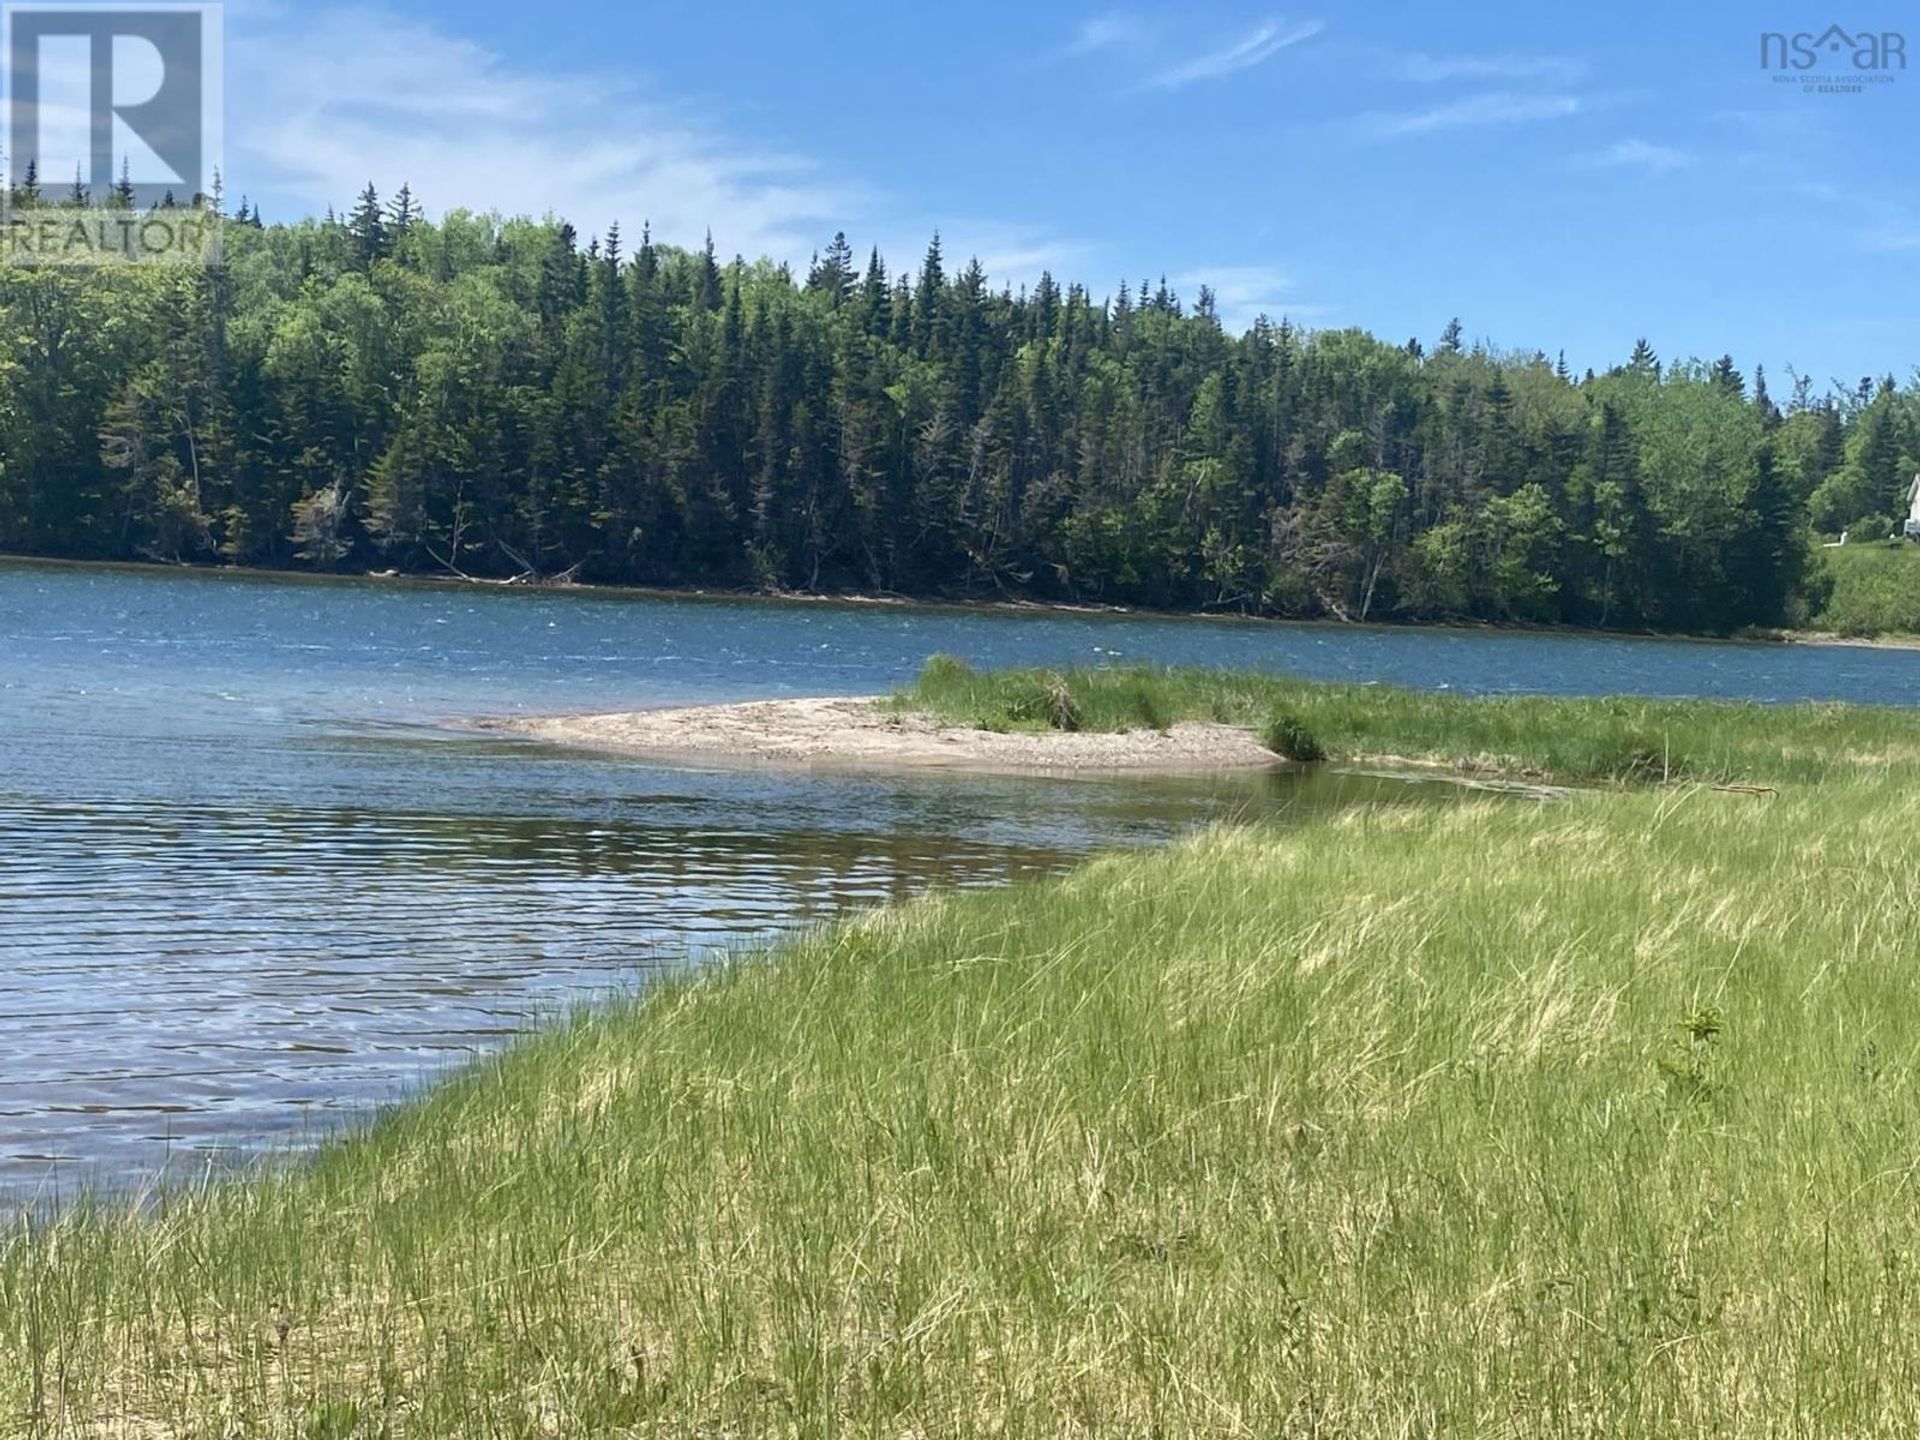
pixel 859 734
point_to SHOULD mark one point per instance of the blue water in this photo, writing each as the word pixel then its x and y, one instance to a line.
pixel 251 881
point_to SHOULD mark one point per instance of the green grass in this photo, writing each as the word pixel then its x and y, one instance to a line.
pixel 1581 1119
pixel 1618 738
pixel 1868 589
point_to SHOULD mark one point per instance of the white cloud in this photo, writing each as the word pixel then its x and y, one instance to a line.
pixel 1243 293
pixel 322 101
pixel 1144 46
pixel 1114 30
pixel 1498 107
pixel 1643 155
pixel 1258 45
pixel 1434 69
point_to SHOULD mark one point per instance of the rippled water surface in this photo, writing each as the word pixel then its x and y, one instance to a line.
pixel 252 882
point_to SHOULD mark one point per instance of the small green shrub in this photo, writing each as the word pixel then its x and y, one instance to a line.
pixel 1690 1068
pixel 1287 735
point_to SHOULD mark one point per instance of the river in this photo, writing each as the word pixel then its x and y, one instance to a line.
pixel 252 883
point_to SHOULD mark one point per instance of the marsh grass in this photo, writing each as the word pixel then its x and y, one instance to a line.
pixel 1287 735
pixel 1621 738
pixel 1588 1119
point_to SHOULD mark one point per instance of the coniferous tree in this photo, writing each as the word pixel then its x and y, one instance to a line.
pixel 1724 375
pixel 524 405
pixel 876 311
pixel 401 214
pixel 367 225
pixel 832 274
pixel 706 288
pixel 928 303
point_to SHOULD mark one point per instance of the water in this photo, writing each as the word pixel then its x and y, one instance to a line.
pixel 251 882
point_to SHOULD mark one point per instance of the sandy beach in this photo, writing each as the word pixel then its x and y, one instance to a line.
pixel 858 733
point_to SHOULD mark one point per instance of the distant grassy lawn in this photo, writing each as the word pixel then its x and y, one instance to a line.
pixel 1620 738
pixel 1581 1119
pixel 1875 589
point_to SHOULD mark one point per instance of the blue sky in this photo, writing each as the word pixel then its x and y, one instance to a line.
pixel 1554 179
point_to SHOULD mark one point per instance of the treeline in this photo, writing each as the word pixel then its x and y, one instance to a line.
pixel 497 398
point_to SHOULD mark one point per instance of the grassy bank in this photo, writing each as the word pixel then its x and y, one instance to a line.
pixel 1619 738
pixel 1867 589
pixel 1496 1118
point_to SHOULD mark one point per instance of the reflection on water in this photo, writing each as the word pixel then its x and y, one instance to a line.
pixel 218 973
pixel 207 978
pixel 249 885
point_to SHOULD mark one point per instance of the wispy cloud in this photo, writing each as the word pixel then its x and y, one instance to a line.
pixel 1257 46
pixel 1644 155
pixel 1495 107
pixel 1112 31
pixel 1152 48
pixel 322 101
pixel 1243 293
pixel 1435 69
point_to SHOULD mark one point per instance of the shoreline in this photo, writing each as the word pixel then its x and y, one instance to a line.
pixel 721 1148
pixel 857 733
pixel 772 1141
pixel 1892 640
pixel 890 600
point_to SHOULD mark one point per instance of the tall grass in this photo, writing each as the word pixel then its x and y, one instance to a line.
pixel 1590 1119
pixel 1615 738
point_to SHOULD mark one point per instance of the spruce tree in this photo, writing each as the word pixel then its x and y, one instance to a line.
pixel 367 226
pixel 832 273
pixel 928 301
pixel 1727 379
pixel 875 301
pixel 706 285
pixel 402 213
pixel 1763 405
pixel 900 316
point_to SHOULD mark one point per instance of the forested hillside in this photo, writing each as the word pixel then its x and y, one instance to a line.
pixel 497 398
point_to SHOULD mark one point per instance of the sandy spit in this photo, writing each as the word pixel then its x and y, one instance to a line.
pixel 857 734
